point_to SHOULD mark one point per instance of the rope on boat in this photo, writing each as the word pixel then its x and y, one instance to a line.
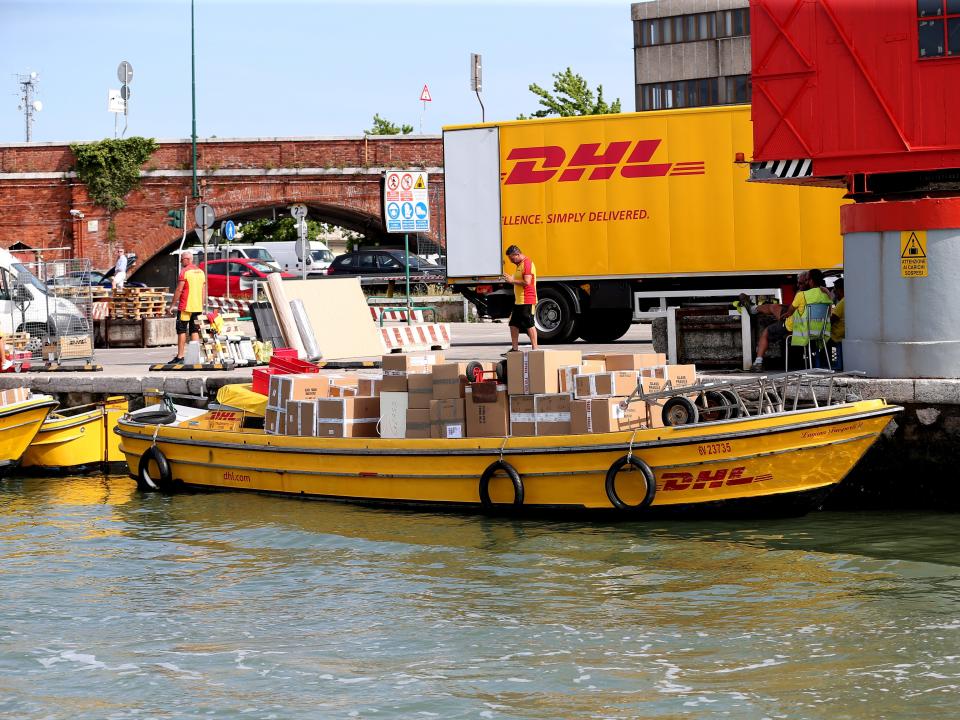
pixel 630 448
pixel 156 431
pixel 503 445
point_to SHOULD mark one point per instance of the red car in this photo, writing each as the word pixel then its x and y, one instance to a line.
pixel 242 271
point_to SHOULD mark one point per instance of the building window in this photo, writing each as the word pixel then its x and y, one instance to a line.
pixel 737 89
pixel 693 27
pixel 938 28
pixel 679 94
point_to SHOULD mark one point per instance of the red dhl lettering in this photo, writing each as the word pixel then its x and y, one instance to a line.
pixel 540 164
pixel 710 479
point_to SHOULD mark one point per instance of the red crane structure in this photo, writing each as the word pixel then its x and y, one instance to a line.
pixel 865 95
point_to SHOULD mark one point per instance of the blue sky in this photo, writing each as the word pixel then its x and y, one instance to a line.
pixel 298 68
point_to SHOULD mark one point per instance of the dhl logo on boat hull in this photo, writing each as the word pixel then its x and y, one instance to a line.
pixel 710 479
pixel 541 163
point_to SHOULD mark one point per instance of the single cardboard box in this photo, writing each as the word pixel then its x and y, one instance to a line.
pixel 651 385
pixel 393 414
pixel 275 421
pixel 398 367
pixel 617 383
pixel 418 423
pixel 14 395
pixel 487 419
pixel 635 361
pixel 420 389
pixel 449 380
pixel 348 417
pixel 681 375
pixel 569 373
pixel 308 386
pixel 302 418
pixel 535 415
pixel 606 415
pixel 369 385
pixel 537 372
pixel 448 418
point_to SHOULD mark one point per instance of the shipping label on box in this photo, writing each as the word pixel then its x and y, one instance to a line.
pixel 397 368
pixel 619 383
pixel 606 415
pixel 420 389
pixel 418 423
pixel 534 415
pixel 634 361
pixel 348 417
pixel 447 418
pixel 537 372
pixel 488 419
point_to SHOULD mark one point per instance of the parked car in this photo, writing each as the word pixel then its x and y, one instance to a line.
pixel 371 263
pixel 242 274
pixel 92 277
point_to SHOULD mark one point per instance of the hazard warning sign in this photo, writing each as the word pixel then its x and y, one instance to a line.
pixel 913 253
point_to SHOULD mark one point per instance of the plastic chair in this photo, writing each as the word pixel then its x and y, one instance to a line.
pixel 813 312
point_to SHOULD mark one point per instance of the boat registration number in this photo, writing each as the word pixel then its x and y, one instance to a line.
pixel 720 448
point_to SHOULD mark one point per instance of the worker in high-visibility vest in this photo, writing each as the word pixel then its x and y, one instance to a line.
pixel 792 319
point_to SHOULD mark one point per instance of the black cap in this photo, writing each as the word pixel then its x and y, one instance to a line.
pixel 512 250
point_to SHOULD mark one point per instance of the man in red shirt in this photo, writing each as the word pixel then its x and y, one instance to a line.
pixel 524 281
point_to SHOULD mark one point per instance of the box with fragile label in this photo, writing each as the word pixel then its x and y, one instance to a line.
pixel 537 372
pixel 348 417
pixel 420 390
pixel 569 373
pixel 649 386
pixel 418 423
pixel 534 415
pixel 448 419
pixel 487 419
pixel 634 361
pixel 681 376
pixel 393 414
pixel 396 368
pixel 308 386
pixel 601 415
pixel 618 383
pixel 301 418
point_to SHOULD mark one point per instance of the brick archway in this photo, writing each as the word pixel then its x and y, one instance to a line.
pixel 43 205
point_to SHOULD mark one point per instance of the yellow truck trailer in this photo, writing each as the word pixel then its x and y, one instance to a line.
pixel 623 212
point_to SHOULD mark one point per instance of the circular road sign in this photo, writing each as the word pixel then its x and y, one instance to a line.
pixel 125 72
pixel 393 181
pixel 125 92
pixel 229 230
pixel 393 210
pixel 406 181
pixel 299 211
pixel 204 215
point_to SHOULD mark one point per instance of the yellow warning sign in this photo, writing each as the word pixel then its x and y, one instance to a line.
pixel 913 253
pixel 420 184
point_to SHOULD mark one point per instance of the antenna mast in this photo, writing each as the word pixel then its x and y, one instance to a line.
pixel 28 84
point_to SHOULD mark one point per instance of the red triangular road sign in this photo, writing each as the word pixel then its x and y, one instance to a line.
pixel 425 95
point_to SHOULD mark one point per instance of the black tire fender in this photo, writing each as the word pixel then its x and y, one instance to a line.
pixel 164 480
pixel 648 477
pixel 493 469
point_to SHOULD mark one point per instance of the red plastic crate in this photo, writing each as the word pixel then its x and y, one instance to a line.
pixel 292 365
pixel 261 379
pixel 285 353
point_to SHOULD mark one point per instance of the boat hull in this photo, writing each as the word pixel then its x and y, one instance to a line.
pixel 706 465
pixel 78 440
pixel 19 424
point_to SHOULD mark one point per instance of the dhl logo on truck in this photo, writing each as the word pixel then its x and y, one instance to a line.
pixel 541 163
pixel 707 479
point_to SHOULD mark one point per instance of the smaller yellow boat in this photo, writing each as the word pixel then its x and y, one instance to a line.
pixel 78 437
pixel 19 423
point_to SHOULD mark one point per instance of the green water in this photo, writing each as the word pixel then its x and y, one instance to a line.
pixel 115 604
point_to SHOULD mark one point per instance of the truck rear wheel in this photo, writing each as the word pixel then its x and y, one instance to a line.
pixel 602 326
pixel 554 317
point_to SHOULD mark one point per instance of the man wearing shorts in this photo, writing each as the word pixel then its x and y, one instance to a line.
pixel 524 281
pixel 187 303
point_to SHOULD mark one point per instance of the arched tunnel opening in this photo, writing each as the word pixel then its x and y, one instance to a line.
pixel 345 229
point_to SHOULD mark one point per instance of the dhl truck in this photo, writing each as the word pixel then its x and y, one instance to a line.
pixel 624 213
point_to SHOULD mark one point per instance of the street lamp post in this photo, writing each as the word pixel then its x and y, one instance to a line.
pixel 193 99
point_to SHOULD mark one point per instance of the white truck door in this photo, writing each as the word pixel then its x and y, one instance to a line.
pixel 471 184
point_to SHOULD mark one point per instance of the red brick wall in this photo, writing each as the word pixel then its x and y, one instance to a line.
pixel 36 211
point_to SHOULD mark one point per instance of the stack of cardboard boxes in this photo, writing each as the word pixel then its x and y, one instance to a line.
pixel 548 392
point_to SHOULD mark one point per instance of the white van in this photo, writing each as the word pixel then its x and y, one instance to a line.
pixel 27 305
pixel 285 254
pixel 251 252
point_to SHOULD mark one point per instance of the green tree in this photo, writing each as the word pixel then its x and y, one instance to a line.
pixel 382 126
pixel 284 229
pixel 571 96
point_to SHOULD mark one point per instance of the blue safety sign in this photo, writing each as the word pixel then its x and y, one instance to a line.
pixel 229 230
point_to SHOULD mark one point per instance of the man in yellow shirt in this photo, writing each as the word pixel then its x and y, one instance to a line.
pixel 809 290
pixel 187 303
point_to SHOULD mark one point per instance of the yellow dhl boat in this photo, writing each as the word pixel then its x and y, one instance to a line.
pixel 78 437
pixel 19 424
pixel 777 462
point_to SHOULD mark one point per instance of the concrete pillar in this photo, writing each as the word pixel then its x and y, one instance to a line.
pixel 901 326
